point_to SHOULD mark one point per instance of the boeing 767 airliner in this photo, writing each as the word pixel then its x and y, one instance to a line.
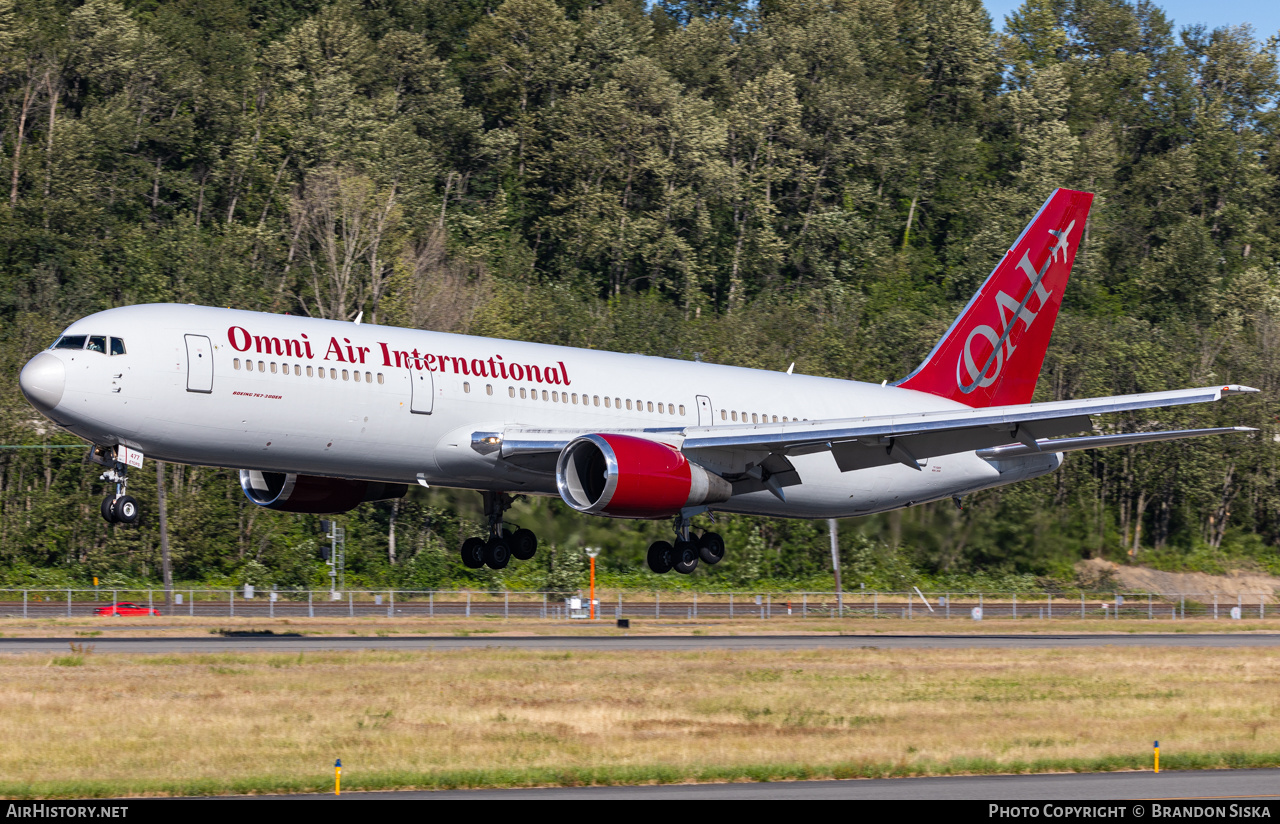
pixel 322 415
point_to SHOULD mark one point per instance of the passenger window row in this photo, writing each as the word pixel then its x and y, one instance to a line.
pixel 311 371
pixel 550 396
pixel 754 417
pixel 556 396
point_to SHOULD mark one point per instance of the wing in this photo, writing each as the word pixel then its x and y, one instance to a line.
pixel 876 441
pixel 757 456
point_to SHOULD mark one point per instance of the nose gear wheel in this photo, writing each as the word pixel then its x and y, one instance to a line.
pixel 120 508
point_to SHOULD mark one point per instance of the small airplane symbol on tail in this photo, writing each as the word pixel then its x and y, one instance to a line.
pixel 1061 245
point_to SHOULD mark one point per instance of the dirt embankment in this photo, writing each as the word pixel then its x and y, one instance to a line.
pixel 1249 585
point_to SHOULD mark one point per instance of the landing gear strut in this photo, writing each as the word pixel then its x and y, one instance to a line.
pixel 119 508
pixel 501 544
pixel 684 554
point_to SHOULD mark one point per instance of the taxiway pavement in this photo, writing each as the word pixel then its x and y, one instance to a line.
pixel 682 643
pixel 1203 787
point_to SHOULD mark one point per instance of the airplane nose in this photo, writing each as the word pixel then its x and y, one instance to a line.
pixel 42 380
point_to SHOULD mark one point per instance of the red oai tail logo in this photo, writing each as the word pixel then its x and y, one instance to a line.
pixel 992 354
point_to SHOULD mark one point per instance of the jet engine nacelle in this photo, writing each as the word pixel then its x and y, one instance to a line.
pixel 287 492
pixel 621 476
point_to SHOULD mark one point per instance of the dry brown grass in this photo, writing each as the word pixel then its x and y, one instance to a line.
pixel 260 721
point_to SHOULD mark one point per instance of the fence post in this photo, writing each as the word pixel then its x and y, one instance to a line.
pixel 657 603
pixel 68 602
pixel 311 612
pixel 391 606
pixel 1260 610
pixel 730 604
pixel 619 612
pixel 980 605
pixel 431 604
pixel 1015 605
pixel 544 604
pixel 804 605
pixel 875 604
pixel 1215 606
pixel 1082 605
pixel 909 604
pixel 271 605
pixel 468 603
pixel 191 610
pixel 1183 600
pixel 768 606
pixel 948 604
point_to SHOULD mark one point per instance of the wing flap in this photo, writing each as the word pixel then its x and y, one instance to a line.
pixel 1100 441
pixel 869 452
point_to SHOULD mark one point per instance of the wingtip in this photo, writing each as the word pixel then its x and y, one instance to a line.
pixel 1238 389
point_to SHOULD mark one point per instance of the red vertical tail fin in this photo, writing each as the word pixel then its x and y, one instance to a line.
pixel 992 354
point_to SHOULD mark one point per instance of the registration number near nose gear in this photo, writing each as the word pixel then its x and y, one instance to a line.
pixel 130 457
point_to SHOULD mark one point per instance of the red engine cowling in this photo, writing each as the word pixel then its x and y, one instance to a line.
pixel 312 494
pixel 627 477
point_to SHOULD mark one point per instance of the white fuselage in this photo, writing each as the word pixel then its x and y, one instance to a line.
pixel 318 397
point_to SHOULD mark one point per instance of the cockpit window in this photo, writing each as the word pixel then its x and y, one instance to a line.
pixel 97 343
pixel 117 346
pixel 70 342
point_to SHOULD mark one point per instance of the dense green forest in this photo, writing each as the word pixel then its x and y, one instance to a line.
pixel 817 181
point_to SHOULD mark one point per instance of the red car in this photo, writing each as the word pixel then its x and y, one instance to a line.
pixel 126 608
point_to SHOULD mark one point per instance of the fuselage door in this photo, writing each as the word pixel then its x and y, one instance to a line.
pixel 199 364
pixel 423 388
pixel 705 418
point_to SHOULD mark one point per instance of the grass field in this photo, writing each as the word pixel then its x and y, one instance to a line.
pixel 84 724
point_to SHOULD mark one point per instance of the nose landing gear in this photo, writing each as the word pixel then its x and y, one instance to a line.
pixel 120 508
pixel 502 544
pixel 683 556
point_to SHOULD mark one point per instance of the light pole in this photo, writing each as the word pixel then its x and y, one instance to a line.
pixel 592 552
pixel 835 562
pixel 334 557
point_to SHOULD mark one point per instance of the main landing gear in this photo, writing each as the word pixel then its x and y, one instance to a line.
pixel 120 508
pixel 502 544
pixel 683 556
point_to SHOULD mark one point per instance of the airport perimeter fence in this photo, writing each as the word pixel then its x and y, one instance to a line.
pixel 69 603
